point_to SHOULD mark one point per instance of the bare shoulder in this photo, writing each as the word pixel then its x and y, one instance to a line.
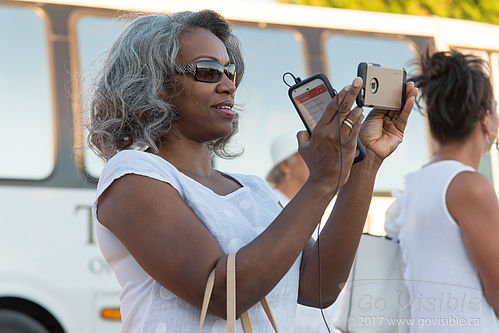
pixel 470 183
pixel 471 194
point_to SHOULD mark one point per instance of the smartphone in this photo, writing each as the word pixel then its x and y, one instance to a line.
pixel 382 88
pixel 310 98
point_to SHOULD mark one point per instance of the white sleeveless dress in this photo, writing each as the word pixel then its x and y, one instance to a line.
pixel 445 290
pixel 235 220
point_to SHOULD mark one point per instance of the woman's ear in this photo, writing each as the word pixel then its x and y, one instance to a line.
pixel 284 166
pixel 485 120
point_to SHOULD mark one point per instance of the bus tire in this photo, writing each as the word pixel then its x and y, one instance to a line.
pixel 18 322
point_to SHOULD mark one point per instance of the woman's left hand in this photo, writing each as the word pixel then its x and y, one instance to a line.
pixel 383 130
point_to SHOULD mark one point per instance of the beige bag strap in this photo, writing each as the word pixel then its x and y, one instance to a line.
pixel 206 299
pixel 231 301
pixel 231 293
pixel 247 323
pixel 245 320
pixel 268 312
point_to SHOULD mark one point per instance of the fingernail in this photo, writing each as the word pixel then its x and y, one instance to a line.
pixel 357 82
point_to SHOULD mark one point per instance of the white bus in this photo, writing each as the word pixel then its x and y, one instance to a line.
pixel 52 275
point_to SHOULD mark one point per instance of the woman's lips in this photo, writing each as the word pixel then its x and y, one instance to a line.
pixel 225 109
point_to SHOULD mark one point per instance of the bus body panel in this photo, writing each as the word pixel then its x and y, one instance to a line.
pixel 49 256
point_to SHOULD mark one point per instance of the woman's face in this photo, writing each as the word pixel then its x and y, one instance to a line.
pixel 205 108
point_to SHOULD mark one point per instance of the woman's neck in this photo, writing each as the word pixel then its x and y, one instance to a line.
pixel 468 152
pixel 191 158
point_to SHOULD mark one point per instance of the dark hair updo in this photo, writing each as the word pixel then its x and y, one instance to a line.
pixel 457 92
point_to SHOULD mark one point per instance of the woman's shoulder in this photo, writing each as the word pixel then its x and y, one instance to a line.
pixel 471 194
pixel 469 186
pixel 138 160
pixel 139 163
pixel 136 155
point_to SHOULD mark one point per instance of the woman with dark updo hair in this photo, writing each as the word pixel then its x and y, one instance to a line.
pixel 449 212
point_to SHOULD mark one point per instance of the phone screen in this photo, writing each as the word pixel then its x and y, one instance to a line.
pixel 312 99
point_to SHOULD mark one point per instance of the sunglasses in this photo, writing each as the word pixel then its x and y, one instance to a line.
pixel 208 71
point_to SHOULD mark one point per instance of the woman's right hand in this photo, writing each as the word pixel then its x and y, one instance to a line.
pixel 321 150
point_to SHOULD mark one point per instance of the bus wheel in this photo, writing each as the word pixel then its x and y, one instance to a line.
pixel 17 322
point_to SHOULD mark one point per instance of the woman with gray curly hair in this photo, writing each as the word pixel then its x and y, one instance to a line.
pixel 129 108
pixel 165 218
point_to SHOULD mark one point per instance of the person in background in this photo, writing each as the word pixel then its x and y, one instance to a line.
pixel 289 171
pixel 448 217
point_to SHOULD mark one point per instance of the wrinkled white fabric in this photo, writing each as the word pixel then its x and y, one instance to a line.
pixel 445 290
pixel 235 220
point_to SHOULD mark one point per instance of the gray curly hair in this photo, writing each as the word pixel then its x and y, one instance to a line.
pixel 126 109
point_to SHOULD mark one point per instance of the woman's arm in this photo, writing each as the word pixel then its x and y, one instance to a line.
pixel 339 238
pixel 381 133
pixel 173 246
pixel 472 202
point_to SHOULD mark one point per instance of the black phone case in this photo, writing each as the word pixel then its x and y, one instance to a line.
pixel 362 73
pixel 360 152
pixel 319 76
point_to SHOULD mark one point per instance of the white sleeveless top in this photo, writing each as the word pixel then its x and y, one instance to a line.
pixel 234 219
pixel 444 286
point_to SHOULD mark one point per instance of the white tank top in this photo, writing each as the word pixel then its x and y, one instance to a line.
pixel 234 219
pixel 445 290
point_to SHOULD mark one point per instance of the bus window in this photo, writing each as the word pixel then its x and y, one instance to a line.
pixel 26 129
pixel 262 97
pixel 344 53
pixel 95 34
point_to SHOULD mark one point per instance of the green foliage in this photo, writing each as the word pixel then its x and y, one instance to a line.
pixel 475 10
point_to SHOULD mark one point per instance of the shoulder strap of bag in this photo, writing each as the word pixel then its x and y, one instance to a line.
pixel 245 320
pixel 206 299
pixel 268 312
pixel 231 301
pixel 231 293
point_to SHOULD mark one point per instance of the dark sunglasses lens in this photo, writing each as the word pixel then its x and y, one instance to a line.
pixel 209 71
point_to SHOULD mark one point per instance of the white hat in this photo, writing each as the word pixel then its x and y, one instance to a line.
pixel 283 146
